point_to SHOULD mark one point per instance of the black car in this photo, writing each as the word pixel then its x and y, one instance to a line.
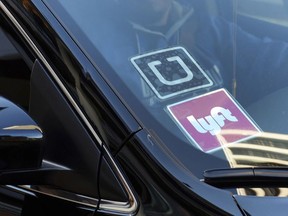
pixel 143 107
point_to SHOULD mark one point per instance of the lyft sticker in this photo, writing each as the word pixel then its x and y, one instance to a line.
pixel 170 72
pixel 213 120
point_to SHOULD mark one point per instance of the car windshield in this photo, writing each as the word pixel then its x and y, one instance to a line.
pixel 207 78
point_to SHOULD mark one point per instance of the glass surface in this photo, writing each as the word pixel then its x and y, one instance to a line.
pixel 207 76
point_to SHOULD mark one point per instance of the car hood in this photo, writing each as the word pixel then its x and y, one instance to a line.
pixel 252 205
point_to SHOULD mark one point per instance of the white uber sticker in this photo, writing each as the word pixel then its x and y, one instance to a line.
pixel 213 120
pixel 170 72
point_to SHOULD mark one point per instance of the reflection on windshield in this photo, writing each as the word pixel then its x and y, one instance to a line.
pixel 265 150
pixel 261 192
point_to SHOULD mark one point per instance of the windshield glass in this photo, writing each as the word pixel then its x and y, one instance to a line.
pixel 206 77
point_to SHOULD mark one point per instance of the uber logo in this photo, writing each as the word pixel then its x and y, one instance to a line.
pixel 170 72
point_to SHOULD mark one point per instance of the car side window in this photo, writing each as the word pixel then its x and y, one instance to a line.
pixel 63 143
pixel 68 144
pixel 14 79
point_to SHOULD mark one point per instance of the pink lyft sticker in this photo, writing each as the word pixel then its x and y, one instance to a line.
pixel 213 120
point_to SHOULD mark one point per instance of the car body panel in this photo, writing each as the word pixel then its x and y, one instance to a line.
pixel 37 107
pixel 108 155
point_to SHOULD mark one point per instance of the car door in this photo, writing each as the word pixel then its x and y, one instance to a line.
pixel 63 192
pixel 83 177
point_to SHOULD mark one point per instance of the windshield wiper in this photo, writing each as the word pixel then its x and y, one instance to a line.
pixel 247 177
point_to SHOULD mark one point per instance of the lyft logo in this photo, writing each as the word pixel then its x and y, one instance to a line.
pixel 214 122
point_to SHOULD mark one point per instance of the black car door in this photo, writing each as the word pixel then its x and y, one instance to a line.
pixel 68 145
pixel 83 176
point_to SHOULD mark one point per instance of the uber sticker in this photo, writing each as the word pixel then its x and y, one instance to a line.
pixel 170 72
pixel 213 120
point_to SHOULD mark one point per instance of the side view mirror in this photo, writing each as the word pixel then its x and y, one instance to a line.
pixel 21 149
pixel 21 146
